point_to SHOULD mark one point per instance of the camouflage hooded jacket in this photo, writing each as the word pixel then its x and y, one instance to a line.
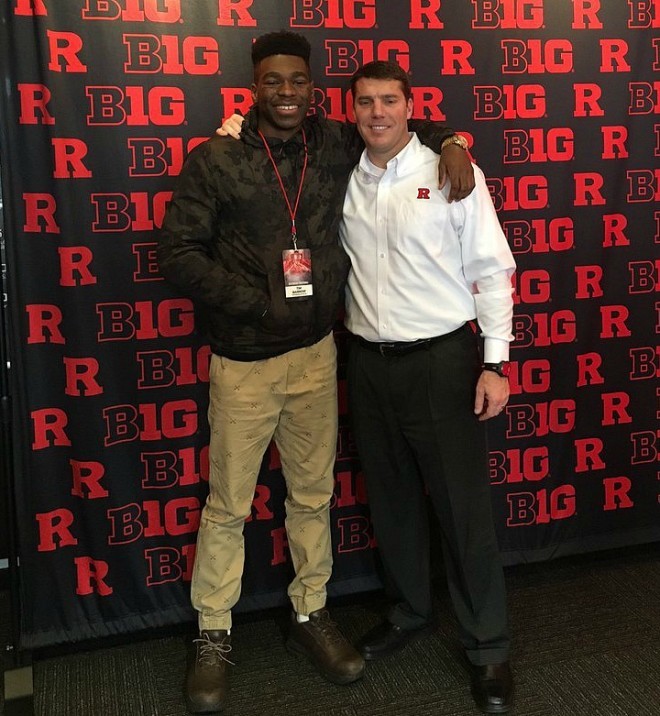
pixel 228 223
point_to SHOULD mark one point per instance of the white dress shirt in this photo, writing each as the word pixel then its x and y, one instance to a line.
pixel 421 266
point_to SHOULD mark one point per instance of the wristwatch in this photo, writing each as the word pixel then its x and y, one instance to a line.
pixel 503 368
pixel 458 139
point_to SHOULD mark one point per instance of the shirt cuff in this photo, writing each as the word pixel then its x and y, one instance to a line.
pixel 495 350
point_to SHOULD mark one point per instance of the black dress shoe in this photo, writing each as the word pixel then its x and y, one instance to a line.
pixel 388 638
pixel 492 688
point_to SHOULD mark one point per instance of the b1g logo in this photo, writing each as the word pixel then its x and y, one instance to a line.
pixel 153 157
pixel 346 56
pixel 538 145
pixel 145 320
pixel 539 235
pixel 644 14
pixel 516 465
pixel 165 469
pixel 135 106
pixel 541 507
pixel 177 516
pixel 644 98
pixel 150 421
pixel 544 328
pixel 334 14
pixel 513 193
pixel 509 102
pixel 171 55
pixel 536 56
pixel 644 276
pixel 643 185
pixel 133 10
pixel 164 368
pixel 135 211
pixel 507 14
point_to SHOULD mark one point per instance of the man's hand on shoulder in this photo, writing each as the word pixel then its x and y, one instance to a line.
pixel 455 166
pixel 231 127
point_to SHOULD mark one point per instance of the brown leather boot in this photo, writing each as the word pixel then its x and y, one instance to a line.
pixel 326 647
pixel 207 676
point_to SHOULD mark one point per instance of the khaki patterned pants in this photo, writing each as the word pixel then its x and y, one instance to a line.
pixel 292 399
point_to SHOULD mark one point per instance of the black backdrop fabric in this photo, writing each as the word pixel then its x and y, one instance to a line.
pixel 102 101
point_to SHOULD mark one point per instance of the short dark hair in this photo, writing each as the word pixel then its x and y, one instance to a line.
pixel 280 43
pixel 383 70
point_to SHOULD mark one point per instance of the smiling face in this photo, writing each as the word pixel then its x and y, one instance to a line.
pixel 382 113
pixel 282 91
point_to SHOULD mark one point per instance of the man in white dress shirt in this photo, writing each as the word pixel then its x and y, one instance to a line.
pixel 419 389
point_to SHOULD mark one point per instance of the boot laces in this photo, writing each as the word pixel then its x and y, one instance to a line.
pixel 212 652
pixel 329 628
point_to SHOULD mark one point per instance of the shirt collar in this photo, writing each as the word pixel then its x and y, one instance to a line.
pixel 404 162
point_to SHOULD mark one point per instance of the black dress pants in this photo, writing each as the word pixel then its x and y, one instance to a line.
pixel 414 425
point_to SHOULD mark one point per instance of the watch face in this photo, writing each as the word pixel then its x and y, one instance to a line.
pixel 505 368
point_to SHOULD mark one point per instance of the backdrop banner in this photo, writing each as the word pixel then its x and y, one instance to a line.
pixel 102 101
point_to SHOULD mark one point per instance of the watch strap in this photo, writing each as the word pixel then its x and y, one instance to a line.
pixel 501 368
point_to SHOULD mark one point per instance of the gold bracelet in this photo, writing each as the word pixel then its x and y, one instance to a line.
pixel 457 139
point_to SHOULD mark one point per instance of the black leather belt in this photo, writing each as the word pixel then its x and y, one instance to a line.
pixel 401 348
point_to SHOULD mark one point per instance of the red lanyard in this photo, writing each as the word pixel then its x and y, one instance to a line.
pixel 292 211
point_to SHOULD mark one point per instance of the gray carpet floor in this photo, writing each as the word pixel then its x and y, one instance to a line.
pixel 586 641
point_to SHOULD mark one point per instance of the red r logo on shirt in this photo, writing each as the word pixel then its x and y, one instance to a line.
pixel 423 193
